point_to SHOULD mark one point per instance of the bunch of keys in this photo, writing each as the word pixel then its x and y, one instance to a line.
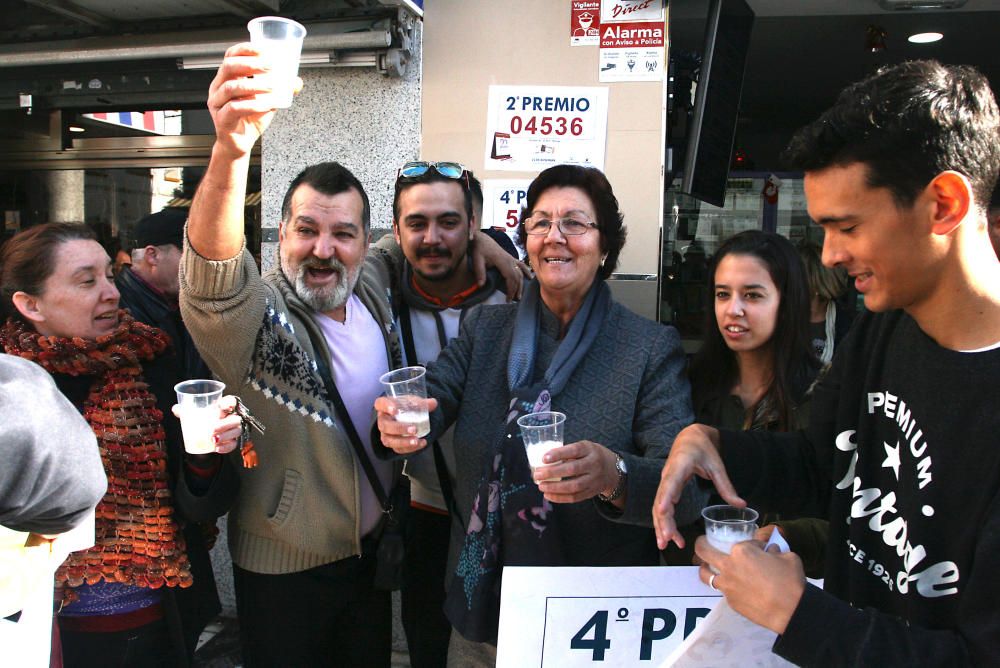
pixel 250 459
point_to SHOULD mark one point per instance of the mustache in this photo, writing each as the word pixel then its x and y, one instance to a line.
pixel 319 263
pixel 433 251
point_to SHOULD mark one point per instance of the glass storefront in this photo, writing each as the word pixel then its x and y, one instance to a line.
pixel 108 170
pixel 693 230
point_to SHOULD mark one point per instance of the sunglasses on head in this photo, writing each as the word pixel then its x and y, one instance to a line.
pixel 416 169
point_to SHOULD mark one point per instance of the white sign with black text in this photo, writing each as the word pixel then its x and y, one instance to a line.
pixel 632 52
pixel 503 200
pixel 530 128
pixel 575 617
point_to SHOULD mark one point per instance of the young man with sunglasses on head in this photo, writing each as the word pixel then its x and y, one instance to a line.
pixel 435 225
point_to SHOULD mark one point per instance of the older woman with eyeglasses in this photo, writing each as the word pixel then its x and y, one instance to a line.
pixel 567 347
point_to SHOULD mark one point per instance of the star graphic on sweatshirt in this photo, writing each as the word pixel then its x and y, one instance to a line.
pixel 892 458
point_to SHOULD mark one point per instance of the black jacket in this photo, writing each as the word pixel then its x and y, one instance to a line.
pixel 195 500
pixel 901 452
pixel 148 307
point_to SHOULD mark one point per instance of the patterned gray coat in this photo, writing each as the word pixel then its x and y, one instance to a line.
pixel 629 393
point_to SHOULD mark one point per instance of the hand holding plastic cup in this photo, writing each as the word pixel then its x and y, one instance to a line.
pixel 408 388
pixel 541 432
pixel 727 525
pixel 279 41
pixel 197 402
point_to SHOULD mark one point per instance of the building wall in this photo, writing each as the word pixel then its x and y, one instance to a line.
pixel 470 45
pixel 366 121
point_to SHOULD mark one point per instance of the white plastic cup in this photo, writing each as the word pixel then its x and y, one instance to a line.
pixel 541 432
pixel 199 413
pixel 408 388
pixel 280 41
pixel 727 525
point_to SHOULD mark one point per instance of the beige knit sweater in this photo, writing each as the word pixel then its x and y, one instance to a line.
pixel 300 508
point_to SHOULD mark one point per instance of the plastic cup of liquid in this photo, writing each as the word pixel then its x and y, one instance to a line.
pixel 199 413
pixel 409 390
pixel 541 432
pixel 279 41
pixel 727 525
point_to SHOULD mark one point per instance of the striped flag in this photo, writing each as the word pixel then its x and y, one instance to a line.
pixel 150 121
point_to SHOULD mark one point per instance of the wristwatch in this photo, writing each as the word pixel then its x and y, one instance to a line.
pixel 622 479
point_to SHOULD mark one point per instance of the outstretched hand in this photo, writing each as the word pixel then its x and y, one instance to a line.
pixel 695 452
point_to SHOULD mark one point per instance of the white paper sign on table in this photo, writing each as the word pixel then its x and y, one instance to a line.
pixel 727 639
pixel 26 581
pixel 571 617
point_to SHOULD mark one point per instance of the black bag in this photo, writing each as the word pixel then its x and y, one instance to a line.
pixel 391 543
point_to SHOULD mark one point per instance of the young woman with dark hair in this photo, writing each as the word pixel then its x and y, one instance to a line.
pixel 756 362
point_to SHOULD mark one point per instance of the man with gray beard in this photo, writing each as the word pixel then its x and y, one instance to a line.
pixel 304 529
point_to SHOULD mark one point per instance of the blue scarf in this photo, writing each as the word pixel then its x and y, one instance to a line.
pixel 511 522
pixel 583 330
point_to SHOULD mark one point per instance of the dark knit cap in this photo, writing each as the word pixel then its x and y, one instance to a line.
pixel 161 228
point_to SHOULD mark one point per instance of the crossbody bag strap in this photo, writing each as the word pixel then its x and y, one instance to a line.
pixel 406 333
pixel 345 418
pixel 446 491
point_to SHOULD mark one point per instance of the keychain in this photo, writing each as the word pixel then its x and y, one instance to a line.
pixel 250 458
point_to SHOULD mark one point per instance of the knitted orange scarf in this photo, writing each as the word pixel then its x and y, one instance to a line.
pixel 138 541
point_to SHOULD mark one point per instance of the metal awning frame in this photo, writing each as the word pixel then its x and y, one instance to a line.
pixel 110 152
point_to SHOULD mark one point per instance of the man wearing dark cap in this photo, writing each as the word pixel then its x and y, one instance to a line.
pixel 149 287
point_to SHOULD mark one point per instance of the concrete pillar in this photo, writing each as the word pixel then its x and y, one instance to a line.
pixel 65 196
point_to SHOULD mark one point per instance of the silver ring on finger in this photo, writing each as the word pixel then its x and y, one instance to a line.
pixel 711 581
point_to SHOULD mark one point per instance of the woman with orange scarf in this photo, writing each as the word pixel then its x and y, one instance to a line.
pixel 121 601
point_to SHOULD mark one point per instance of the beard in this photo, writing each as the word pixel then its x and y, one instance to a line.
pixel 444 273
pixel 327 297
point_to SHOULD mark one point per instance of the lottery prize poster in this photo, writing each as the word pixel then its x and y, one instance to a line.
pixel 503 200
pixel 585 23
pixel 631 10
pixel 632 52
pixel 530 128
pixel 575 617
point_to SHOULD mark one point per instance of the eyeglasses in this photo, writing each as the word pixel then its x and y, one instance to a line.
pixel 416 169
pixel 571 226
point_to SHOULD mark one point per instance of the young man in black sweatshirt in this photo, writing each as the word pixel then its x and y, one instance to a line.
pixel 901 453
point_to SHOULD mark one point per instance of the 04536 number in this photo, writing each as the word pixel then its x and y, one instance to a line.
pixel 547 125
